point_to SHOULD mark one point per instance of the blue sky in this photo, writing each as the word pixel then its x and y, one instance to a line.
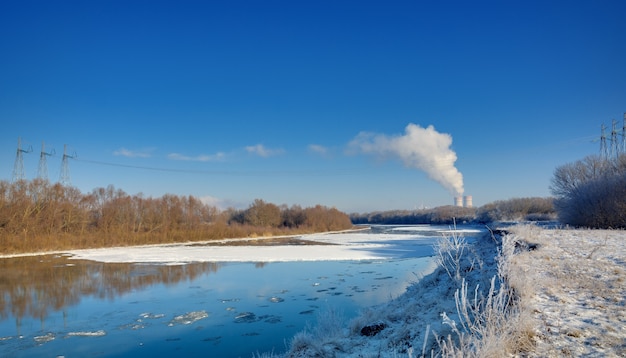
pixel 310 102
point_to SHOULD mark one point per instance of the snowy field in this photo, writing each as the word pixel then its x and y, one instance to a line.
pixel 576 288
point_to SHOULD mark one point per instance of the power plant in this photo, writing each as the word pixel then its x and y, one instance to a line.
pixel 463 201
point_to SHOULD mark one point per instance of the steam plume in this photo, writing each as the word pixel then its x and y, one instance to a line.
pixel 420 148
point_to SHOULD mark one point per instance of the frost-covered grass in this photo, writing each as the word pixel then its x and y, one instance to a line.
pixel 493 325
pixel 450 249
pixel 575 287
pixel 531 293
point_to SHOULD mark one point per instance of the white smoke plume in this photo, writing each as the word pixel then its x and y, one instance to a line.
pixel 420 148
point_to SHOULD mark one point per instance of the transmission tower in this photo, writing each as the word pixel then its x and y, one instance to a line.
pixel 42 172
pixel 615 147
pixel 624 135
pixel 604 151
pixel 65 167
pixel 18 167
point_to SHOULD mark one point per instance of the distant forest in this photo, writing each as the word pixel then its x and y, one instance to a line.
pixel 40 216
pixel 516 209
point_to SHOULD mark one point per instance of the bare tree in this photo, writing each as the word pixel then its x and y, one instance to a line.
pixel 591 192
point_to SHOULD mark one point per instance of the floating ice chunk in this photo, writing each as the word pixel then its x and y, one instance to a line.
pixel 151 315
pixel 226 300
pixel 276 299
pixel 188 318
pixel 99 333
pixel 45 338
pixel 133 326
pixel 246 317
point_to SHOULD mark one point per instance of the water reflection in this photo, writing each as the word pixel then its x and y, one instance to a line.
pixel 33 287
pixel 67 307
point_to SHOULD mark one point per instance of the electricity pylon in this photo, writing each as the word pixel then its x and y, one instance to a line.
pixel 615 147
pixel 42 172
pixel 65 167
pixel 624 135
pixel 18 167
pixel 604 151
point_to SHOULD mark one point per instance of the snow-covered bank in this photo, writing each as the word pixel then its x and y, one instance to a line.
pixel 575 284
pixel 564 296
pixel 406 325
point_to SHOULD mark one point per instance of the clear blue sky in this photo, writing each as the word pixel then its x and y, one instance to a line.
pixel 237 100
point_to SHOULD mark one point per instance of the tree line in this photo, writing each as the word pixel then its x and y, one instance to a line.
pixel 38 215
pixel 515 209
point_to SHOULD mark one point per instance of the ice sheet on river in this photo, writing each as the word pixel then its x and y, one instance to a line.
pixel 333 247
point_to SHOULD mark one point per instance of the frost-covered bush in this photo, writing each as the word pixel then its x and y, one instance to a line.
pixel 491 325
pixel 591 192
pixel 320 340
pixel 449 251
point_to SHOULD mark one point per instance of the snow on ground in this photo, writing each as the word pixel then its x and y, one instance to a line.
pixel 577 291
pixel 333 247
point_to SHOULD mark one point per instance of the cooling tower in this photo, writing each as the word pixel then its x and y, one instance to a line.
pixel 458 201
pixel 467 201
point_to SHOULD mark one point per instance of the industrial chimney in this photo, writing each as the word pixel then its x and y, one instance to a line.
pixel 458 201
pixel 467 201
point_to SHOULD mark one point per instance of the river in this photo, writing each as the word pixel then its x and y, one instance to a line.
pixel 57 305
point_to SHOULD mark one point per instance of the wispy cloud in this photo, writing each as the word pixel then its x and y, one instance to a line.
pixel 199 158
pixel 318 149
pixel 262 151
pixel 145 153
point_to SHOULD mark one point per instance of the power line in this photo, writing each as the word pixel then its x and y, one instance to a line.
pixel 234 172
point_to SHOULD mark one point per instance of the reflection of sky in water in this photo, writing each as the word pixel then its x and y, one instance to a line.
pixel 230 309
pixel 273 302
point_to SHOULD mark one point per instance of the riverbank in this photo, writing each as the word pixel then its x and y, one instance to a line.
pixel 575 286
pixel 561 293
pixel 254 240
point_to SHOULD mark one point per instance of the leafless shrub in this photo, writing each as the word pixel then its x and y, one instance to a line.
pixel 591 192
pixel 491 326
pixel 449 250
pixel 320 340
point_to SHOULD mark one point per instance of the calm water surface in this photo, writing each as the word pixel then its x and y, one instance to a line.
pixel 55 306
